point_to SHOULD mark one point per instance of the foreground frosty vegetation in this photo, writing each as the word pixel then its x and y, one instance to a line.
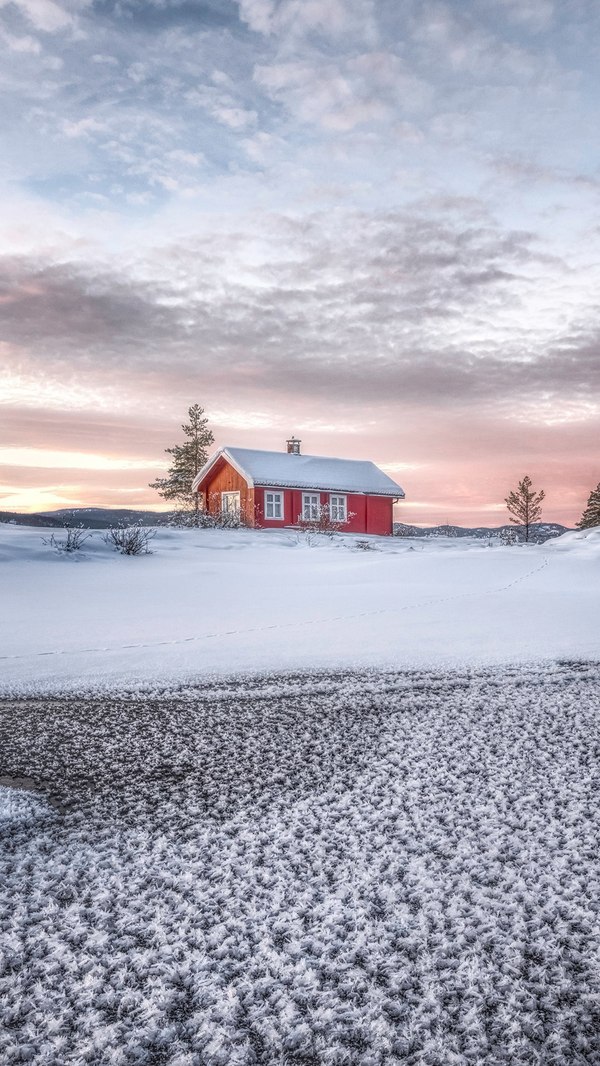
pixel 326 870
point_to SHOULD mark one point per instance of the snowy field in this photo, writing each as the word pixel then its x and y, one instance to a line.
pixel 215 602
pixel 337 871
pixel 287 803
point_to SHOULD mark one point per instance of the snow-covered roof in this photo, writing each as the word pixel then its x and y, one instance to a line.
pixel 282 470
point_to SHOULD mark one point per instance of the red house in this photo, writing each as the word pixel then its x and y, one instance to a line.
pixel 276 489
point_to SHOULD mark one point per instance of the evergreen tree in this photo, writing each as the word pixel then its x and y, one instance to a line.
pixel 525 505
pixel 188 459
pixel 591 515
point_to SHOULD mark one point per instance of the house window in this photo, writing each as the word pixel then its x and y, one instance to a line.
pixel 274 505
pixel 338 510
pixel 230 502
pixel 310 506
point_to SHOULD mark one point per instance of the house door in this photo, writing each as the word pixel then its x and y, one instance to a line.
pixel 230 503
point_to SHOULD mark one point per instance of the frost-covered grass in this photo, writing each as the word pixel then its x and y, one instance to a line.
pixel 336 869
pixel 18 806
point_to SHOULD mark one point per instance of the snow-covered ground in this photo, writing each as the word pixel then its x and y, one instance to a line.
pixel 214 602
pixel 393 866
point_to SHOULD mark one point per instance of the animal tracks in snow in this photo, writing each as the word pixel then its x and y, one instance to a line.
pixel 276 626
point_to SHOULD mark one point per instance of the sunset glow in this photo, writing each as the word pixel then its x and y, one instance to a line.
pixel 374 226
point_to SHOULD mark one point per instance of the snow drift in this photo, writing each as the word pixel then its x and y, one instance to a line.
pixel 212 602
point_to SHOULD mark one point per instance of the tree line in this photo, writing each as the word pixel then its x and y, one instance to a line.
pixel 524 504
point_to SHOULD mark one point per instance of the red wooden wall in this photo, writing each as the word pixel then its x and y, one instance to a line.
pixel 224 478
pixel 369 514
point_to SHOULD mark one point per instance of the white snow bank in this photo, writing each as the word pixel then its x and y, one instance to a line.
pixel 214 602
pixel 585 540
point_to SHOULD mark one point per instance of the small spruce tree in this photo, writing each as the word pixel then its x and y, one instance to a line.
pixel 188 459
pixel 525 505
pixel 591 515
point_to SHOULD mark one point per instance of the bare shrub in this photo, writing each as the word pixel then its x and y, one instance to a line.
pixel 305 536
pixel 209 520
pixel 226 520
pixel 130 540
pixel 73 541
pixel 365 545
pixel 188 519
pixel 323 522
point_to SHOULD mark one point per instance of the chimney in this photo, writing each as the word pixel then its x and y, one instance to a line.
pixel 293 446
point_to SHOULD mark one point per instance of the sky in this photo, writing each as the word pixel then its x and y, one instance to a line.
pixel 374 224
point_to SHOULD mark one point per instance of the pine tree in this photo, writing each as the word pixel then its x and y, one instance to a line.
pixel 591 515
pixel 188 459
pixel 524 505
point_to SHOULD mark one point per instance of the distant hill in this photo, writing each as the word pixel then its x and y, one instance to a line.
pixel 88 517
pixel 105 517
pixel 538 533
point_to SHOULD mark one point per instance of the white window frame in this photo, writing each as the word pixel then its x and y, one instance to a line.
pixel 275 503
pixel 338 510
pixel 226 500
pixel 311 511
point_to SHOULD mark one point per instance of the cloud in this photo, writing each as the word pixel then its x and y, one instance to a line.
pixel 361 307
pixel 83 128
pixel 348 211
pixel 237 118
pixel 527 170
pixel 319 94
pixel 363 89
pixel 258 14
pixel 127 432
pixel 46 15
pixel 67 305
pixel 42 459
pixel 358 83
pixel 536 15
pixel 260 146
pixel 301 18
pixel 23 45
pixel 110 61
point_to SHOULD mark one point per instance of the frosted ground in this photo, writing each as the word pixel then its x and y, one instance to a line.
pixel 393 862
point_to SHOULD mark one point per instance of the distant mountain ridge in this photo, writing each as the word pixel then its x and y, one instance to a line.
pixel 539 532
pixel 88 517
pixel 106 517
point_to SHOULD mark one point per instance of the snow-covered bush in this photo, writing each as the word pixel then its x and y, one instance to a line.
pixel 188 520
pixel 73 541
pixel 227 520
pixel 509 536
pixel 401 529
pixel 365 545
pixel 222 520
pixel 217 518
pixel 130 540
pixel 445 530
